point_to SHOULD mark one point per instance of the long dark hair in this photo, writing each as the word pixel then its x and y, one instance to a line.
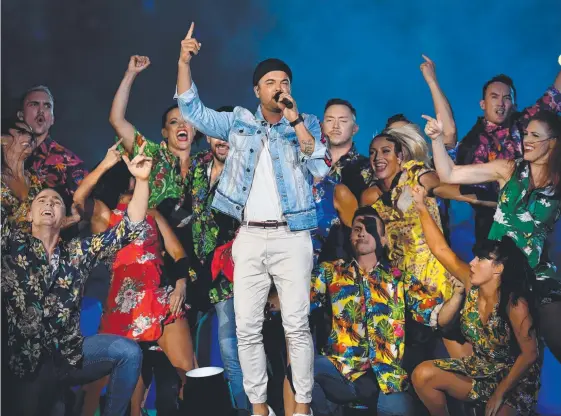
pixel 398 147
pixel 553 169
pixel 7 125
pixel 518 280
pixel 112 185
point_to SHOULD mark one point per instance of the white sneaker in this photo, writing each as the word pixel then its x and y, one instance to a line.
pixel 271 413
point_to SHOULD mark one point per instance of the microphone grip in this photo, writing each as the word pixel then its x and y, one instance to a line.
pixel 287 103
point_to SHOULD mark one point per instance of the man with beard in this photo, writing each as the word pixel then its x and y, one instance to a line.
pixel 42 282
pixel 369 300
pixel 266 184
pixel 53 164
pixel 212 230
pixel 498 135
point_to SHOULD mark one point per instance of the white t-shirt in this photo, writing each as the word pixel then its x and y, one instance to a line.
pixel 263 202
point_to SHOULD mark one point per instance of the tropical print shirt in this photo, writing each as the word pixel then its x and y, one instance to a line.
pixel 210 228
pixel 368 326
pixel 487 141
pixel 353 170
pixel 56 166
pixel 42 295
pixel 165 178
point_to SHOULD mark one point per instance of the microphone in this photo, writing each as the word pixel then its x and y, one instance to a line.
pixel 289 104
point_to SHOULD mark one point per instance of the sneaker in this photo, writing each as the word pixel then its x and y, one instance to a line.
pixel 271 413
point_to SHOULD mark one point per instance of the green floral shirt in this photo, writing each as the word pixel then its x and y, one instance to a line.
pixel 210 228
pixel 165 178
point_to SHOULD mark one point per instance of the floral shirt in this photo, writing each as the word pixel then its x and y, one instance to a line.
pixel 487 141
pixel 15 209
pixel 165 178
pixel 56 166
pixel 368 327
pixel 42 295
pixel 353 170
pixel 210 228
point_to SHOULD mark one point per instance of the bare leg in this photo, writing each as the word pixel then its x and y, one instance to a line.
pixel 506 410
pixel 138 398
pixel 93 393
pixel 432 384
pixel 178 347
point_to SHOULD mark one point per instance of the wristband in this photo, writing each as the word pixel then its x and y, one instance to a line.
pixel 179 269
pixel 299 120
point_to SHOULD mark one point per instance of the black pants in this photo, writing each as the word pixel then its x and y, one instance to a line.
pixel 155 364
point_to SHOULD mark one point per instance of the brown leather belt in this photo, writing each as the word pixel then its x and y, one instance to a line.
pixel 265 224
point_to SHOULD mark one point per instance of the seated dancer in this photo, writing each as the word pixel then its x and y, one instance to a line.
pixel 362 361
pixel 19 185
pixel 528 207
pixel 499 319
pixel 145 302
pixel 171 156
pixel 42 280
pixel 266 184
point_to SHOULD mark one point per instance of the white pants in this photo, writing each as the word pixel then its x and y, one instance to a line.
pixel 261 254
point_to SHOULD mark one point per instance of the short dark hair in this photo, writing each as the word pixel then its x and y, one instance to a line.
pixel 503 79
pixel 165 114
pixel 369 211
pixel 41 88
pixel 340 101
pixel 395 118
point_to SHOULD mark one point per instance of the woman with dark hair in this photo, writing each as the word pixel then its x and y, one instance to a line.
pixel 498 319
pixel 529 204
pixel 146 301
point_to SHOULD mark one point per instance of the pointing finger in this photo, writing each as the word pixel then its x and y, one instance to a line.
pixel 426 58
pixel 191 30
pixel 428 118
pixel 116 144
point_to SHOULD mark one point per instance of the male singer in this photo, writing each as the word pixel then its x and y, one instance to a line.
pixel 266 184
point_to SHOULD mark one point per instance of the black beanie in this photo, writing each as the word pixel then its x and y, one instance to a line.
pixel 268 65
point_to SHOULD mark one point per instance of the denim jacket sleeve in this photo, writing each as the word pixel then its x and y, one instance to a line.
pixel 318 162
pixel 205 120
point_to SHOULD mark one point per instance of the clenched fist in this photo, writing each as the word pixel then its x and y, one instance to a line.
pixel 137 64
pixel 189 46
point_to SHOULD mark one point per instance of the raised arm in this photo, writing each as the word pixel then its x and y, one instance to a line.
pixel 345 203
pixel 192 109
pixel 124 129
pixel 441 104
pixel 521 324
pixel 437 243
pixel 495 171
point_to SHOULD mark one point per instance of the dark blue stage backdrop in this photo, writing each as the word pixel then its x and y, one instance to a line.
pixel 366 51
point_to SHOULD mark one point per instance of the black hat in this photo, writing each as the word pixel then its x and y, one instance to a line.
pixel 268 65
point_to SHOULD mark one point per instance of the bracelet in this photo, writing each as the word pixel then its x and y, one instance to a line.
pixel 298 120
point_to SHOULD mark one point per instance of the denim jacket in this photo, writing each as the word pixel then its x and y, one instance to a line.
pixel 293 170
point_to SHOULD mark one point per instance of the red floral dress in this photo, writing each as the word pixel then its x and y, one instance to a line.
pixel 137 307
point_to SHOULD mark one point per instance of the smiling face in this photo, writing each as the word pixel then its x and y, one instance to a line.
pixel 498 102
pixel 219 148
pixel 537 142
pixel 178 133
pixel 38 112
pixel 47 209
pixel 269 85
pixel 384 160
pixel 339 125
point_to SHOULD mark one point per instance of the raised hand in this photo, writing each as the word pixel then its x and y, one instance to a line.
pixel 428 68
pixel 290 114
pixel 419 194
pixel 189 46
pixel 140 166
pixel 457 285
pixel 137 64
pixel 434 127
pixel 113 156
